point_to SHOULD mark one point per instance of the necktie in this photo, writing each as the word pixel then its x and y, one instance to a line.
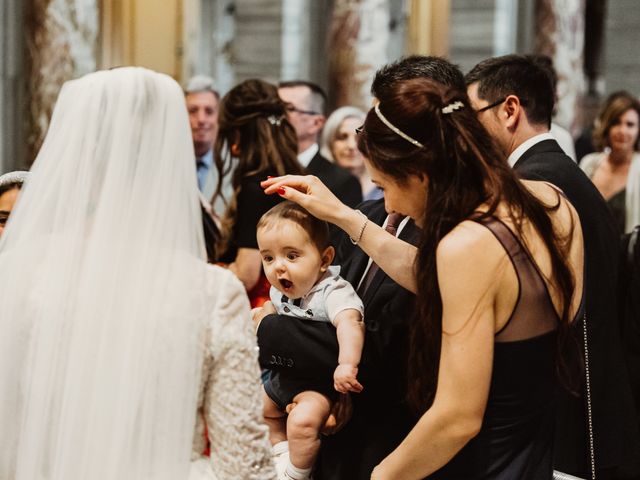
pixel 201 168
pixel 393 221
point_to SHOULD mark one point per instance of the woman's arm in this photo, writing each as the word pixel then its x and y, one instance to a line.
pixel 468 284
pixel 247 266
pixel 394 256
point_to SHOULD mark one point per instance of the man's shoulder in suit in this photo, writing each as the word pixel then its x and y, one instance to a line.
pixel 344 185
pixel 546 161
pixel 374 210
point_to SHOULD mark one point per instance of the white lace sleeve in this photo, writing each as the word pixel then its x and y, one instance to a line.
pixel 233 403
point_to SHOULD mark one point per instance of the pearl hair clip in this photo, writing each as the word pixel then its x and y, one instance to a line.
pixel 452 107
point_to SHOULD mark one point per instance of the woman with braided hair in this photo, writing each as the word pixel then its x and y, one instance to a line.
pixel 255 140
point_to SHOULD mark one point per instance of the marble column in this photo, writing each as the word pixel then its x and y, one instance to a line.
pixel 358 41
pixel 428 32
pixel 595 14
pixel 559 33
pixel 62 39
pixel 12 86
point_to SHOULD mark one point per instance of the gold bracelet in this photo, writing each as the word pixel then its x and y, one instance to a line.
pixel 364 224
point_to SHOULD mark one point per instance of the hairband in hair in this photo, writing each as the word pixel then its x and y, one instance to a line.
pixel 13 178
pixel 452 107
pixel 395 129
pixel 274 120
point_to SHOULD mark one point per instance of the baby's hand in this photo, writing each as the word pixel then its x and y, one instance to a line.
pixel 344 379
pixel 258 313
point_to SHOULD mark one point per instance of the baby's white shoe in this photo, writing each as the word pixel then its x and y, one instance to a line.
pixel 294 473
pixel 281 458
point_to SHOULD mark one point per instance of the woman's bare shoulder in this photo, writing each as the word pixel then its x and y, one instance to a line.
pixel 470 245
pixel 564 216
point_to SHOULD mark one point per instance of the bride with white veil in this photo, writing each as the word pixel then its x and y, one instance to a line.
pixel 117 342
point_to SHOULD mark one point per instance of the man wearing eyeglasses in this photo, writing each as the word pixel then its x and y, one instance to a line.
pixel 305 110
pixel 514 97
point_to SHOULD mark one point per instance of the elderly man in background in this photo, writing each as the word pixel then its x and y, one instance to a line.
pixel 306 105
pixel 202 104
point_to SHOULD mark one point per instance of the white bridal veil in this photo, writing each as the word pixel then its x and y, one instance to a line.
pixel 101 303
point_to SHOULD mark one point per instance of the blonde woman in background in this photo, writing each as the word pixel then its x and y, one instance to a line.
pixel 339 145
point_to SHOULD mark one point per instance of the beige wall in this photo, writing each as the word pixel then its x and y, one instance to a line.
pixel 428 32
pixel 145 33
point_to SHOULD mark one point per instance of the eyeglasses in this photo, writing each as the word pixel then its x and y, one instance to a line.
pixel 359 129
pixel 291 108
pixel 491 105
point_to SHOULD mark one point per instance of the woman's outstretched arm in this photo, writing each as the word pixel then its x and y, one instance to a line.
pixel 394 256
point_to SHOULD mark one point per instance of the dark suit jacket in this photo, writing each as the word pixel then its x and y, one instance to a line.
pixel 380 417
pixel 343 185
pixel 211 235
pixel 615 435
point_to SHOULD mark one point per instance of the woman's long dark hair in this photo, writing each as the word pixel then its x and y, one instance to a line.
pixel 253 117
pixel 464 170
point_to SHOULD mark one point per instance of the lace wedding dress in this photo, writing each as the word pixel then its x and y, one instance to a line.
pixel 230 404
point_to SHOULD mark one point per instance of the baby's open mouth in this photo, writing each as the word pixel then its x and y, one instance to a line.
pixel 286 284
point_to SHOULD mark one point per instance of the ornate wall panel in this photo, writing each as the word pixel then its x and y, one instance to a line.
pixel 62 43
pixel 560 34
pixel 358 40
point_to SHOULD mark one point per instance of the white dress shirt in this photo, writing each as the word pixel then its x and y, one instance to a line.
pixel 526 145
pixel 305 157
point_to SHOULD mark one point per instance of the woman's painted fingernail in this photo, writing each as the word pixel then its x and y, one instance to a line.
pixel 281 191
pixel 269 176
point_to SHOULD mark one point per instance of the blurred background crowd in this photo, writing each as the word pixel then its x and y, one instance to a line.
pixel 337 44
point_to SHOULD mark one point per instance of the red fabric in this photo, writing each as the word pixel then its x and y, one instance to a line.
pixel 207 446
pixel 260 293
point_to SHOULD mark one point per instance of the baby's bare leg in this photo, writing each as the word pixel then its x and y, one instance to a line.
pixel 303 427
pixel 274 418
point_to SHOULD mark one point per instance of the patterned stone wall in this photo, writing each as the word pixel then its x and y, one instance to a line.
pixel 559 30
pixel 471 32
pixel 622 43
pixel 256 48
pixel 358 41
pixel 62 42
